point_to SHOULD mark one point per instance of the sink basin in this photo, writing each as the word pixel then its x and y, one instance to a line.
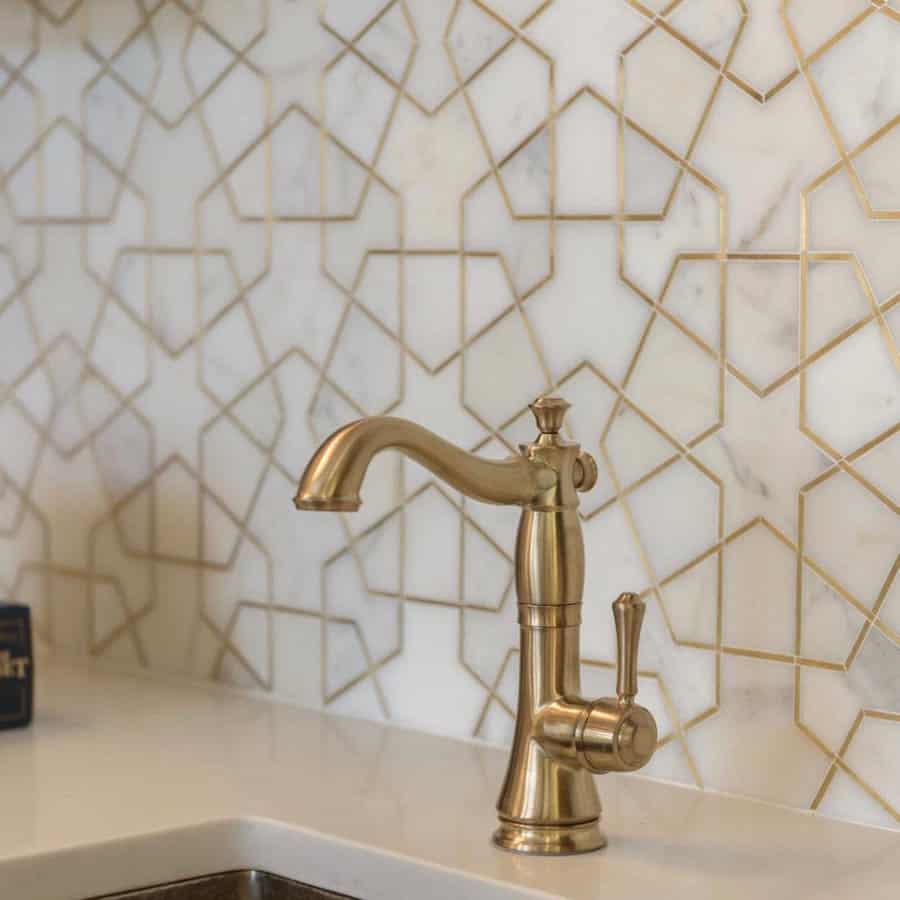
pixel 247 884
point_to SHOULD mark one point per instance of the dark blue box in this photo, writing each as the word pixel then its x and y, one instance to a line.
pixel 16 666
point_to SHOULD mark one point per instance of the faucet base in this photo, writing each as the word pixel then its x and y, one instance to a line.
pixel 550 840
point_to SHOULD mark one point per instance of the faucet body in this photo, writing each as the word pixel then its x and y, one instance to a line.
pixel 548 803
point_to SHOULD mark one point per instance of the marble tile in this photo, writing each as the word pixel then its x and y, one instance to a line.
pixel 452 703
pixel 762 319
pixel 511 98
pixel 690 602
pixel 870 754
pixel 60 73
pixel 431 78
pixel 874 672
pixel 861 105
pixel 418 151
pixel 612 564
pixel 516 12
pixel 526 176
pixel 431 306
pixel 585 39
pixel 474 38
pixel 358 103
pixel 873 166
pixel 761 464
pixel 827 705
pixel 838 222
pixel 19 103
pixel 487 649
pixel 362 630
pixel 634 447
pixel 712 25
pixel 693 224
pixel 675 382
pixel 684 679
pixel 754 723
pixel 293 51
pixel 853 392
pixel 669 763
pixel 366 364
pixel 502 371
pixel 829 625
pixel 814 22
pixel 758 587
pixel 346 243
pixel 846 799
pixel 890 611
pixel 19 30
pixel 228 228
pixel 282 302
pixel 584 186
pixel 835 300
pixel 388 44
pixel 649 176
pixel 523 244
pixel 297 676
pixel 675 513
pixel 587 292
pixel 846 521
pixel 240 22
pixel 762 156
pixel 693 296
pixel 667 89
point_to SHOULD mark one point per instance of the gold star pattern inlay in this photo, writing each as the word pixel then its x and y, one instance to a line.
pixel 227 228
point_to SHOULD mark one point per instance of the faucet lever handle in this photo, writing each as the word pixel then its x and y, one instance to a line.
pixel 585 471
pixel 628 613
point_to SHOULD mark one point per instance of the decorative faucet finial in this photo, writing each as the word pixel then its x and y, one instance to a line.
pixel 549 413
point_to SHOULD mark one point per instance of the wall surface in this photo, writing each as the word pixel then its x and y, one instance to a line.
pixel 226 228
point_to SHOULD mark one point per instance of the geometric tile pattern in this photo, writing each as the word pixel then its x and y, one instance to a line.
pixel 228 227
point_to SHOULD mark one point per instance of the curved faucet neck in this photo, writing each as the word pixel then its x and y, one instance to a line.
pixel 334 476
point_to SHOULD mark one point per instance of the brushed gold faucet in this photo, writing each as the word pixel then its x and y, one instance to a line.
pixel 549 802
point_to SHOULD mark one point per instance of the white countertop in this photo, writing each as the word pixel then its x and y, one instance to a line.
pixel 125 781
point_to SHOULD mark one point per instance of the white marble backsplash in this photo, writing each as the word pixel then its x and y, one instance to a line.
pixel 229 226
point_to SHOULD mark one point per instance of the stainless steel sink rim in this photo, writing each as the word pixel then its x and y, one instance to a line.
pixel 239 884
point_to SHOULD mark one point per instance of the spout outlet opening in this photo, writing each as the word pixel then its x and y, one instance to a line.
pixel 308 503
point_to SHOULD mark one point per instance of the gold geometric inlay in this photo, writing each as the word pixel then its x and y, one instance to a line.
pixel 205 268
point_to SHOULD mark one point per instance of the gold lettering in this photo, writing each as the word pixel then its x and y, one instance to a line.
pixel 13 666
pixel 20 666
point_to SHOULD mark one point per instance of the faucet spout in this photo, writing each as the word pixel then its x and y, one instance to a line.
pixel 334 475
